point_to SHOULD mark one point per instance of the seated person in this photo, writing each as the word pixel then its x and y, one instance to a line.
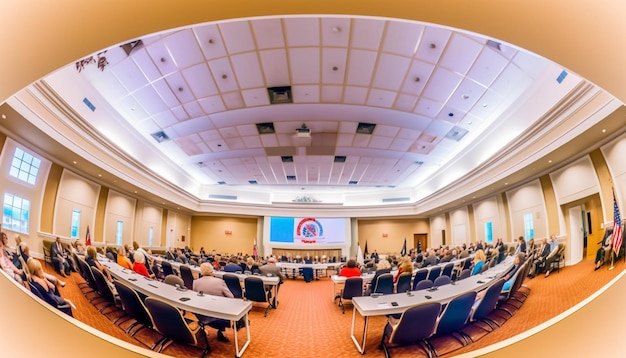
pixel 180 257
pixel 603 255
pixel 59 258
pixel 45 287
pixel 26 255
pixel 350 270
pixel 479 261
pixel 123 260
pixel 250 265
pixel 540 260
pixel 553 255
pixel 139 265
pixel 6 262
pixel 216 262
pixel 519 260
pixel 211 285
pixel 405 266
pixel 233 265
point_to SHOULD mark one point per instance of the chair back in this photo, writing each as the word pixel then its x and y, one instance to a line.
pixel 484 268
pixel 447 269
pixel 420 275
pixel 102 286
pixel 423 285
pixel 352 288
pixel 169 321
pixel 187 276
pixel 384 284
pixel 254 289
pixel 111 257
pixel 307 273
pixel 467 263
pixel 442 280
pixel 465 274
pixel 404 282
pixel 493 261
pixel 167 268
pixel 24 268
pixel 88 275
pixel 416 323
pixel 456 314
pixel 133 305
pixel 174 280
pixel 232 281
pixel 489 301
pixel 518 279
pixel 65 308
pixel 434 273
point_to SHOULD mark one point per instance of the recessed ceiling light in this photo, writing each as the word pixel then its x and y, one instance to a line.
pixel 603 130
pixel 4 116
pixel 432 45
pixel 135 191
pixel 74 162
pixel 506 183
pixel 335 68
pixel 336 29
pixel 484 104
pixel 100 175
pixel 549 161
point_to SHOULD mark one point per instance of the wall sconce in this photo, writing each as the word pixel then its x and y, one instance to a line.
pixel 228 232
pixel 385 234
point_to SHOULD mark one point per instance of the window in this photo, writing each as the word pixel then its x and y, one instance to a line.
pixel 75 224
pixel 16 213
pixel 24 166
pixel 150 236
pixel 488 232
pixel 118 232
pixel 529 229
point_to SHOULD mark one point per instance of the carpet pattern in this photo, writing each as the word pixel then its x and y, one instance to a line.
pixel 309 323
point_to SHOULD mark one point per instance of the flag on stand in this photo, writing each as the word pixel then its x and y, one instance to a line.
pixel 403 251
pixel 87 237
pixel 359 256
pixel 365 251
pixel 255 252
pixel 617 227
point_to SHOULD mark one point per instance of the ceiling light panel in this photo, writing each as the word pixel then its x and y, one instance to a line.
pixel 487 67
pixel 335 31
pixel 460 53
pixel 390 71
pixel 237 36
pixel 210 41
pixel 274 66
pixel 432 35
pixel 360 67
pixel 367 33
pixel 220 68
pixel 304 65
pixel 401 37
pixel 268 33
pixel 302 31
pixel 161 58
pixel 183 47
pixel 200 81
pixel 247 69
pixel 334 65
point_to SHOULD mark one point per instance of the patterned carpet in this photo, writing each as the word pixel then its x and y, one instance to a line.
pixel 308 323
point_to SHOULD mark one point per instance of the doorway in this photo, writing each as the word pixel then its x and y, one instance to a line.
pixel 420 242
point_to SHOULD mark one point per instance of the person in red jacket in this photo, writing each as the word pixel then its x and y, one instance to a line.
pixel 350 270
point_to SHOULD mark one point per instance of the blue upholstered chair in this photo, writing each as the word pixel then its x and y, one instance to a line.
pixel 414 326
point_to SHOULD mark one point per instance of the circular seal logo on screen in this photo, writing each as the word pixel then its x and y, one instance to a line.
pixel 310 231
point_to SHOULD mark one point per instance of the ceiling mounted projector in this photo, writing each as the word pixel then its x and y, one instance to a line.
pixel 303 131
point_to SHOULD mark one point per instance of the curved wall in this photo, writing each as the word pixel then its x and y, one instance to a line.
pixel 39 38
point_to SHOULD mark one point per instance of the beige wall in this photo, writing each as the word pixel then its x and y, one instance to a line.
pixel 396 229
pixel 210 232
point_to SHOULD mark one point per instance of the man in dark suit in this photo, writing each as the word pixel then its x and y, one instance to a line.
pixel 171 254
pixel 540 260
pixel 271 268
pixel 59 257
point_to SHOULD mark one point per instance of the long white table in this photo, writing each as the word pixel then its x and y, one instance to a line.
pixel 368 306
pixel 317 267
pixel 230 309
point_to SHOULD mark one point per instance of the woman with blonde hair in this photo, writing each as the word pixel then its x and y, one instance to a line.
pixel 479 261
pixel 47 289
pixel 405 266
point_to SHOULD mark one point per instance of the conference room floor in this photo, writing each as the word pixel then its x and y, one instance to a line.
pixel 307 323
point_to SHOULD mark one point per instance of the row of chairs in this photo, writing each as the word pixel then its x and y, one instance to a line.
pixel 463 320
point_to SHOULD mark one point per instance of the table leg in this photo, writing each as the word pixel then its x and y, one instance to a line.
pixel 239 352
pixel 360 347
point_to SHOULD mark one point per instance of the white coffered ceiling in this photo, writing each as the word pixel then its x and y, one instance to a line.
pixel 433 94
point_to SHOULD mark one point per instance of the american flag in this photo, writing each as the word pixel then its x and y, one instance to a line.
pixel 617 227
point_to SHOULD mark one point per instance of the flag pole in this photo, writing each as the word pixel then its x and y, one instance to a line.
pixel 612 261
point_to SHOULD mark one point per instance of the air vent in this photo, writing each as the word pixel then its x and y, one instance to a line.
pixel 265 128
pixel 395 200
pixel 252 182
pixel 287 159
pixel 129 47
pixel 365 128
pixel 160 136
pixel 280 95
pixel 291 177
pixel 222 197
pixel 221 182
pixel 353 182
pixel 418 162
pixel 340 158
pixel 494 44
pixel 456 133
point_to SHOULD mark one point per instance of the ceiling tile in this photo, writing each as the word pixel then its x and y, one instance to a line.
pixel 381 98
pixel 460 54
pixel 360 67
pixel 193 109
pixel 165 92
pixel 212 104
pixel 210 41
pixel 405 102
pixel 428 108
pixel 390 71
pixel 304 65
pixel 335 31
pixel 402 37
pixel 306 94
pixel 233 100
pixel 248 71
pixel 237 36
pixel 143 61
pixel 487 67
pixel 274 66
pixel 367 33
pixel 255 97
pixel 334 65
pixel 200 80
pixel 223 75
pixel 302 31
pixel 161 58
pixel 441 84
pixel 433 42
pixel 268 33
pixel 380 142
pixel 252 141
pixel 130 75
pixel 332 94
pixel 417 77
pixel 183 47
pixel 355 95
